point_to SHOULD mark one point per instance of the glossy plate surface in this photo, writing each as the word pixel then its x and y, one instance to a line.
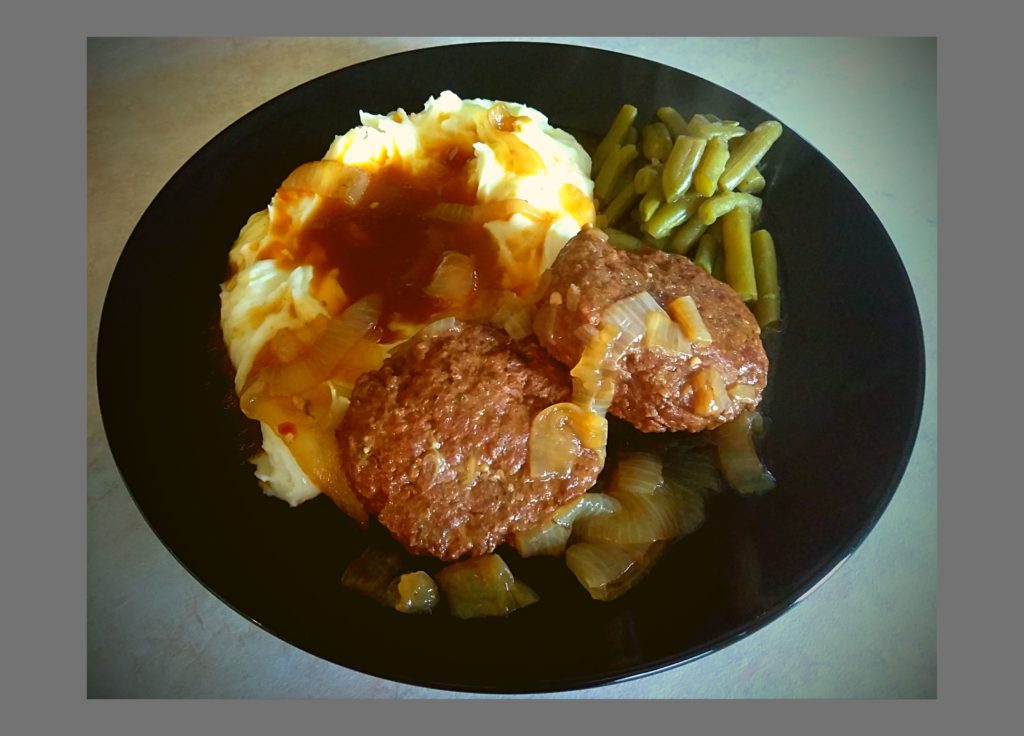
pixel 844 398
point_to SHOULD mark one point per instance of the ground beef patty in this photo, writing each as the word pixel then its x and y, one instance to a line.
pixel 435 441
pixel 655 389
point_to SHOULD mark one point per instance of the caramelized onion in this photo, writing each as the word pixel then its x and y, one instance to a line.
pixel 550 537
pixel 483 586
pixel 644 517
pixel 710 396
pixel 608 570
pixel 558 436
pixel 329 178
pixel 741 465
pixel 630 316
pixel 638 472
pixel 684 311
pixel 454 278
pixel 664 334
pixel 318 362
pixel 595 374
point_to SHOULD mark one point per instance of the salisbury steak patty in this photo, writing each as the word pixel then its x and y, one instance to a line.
pixel 655 390
pixel 435 441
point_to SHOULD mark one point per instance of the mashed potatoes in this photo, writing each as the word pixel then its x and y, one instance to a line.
pixel 409 218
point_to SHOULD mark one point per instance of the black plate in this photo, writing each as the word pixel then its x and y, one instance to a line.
pixel 845 396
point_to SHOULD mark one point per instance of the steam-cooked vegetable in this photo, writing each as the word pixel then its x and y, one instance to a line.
pixel 558 436
pixel 638 472
pixel 483 586
pixel 665 514
pixel 706 250
pixel 415 592
pixel 766 272
pixel 710 395
pixel 737 455
pixel 318 361
pixel 329 178
pixel 664 334
pixel 748 152
pixel 374 572
pixel 681 163
pixel 608 570
pixel 739 259
pixel 685 312
pixel 550 538
pixel 454 278
pixel 615 137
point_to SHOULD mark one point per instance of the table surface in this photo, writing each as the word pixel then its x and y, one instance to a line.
pixel 869 631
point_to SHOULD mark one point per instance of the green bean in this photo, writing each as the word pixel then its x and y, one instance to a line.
pixel 607 178
pixel 686 235
pixel 656 243
pixel 620 204
pixel 681 164
pixel 713 208
pixel 711 166
pixel 749 151
pixel 647 177
pixel 623 240
pixel 739 259
pixel 766 272
pixel 718 270
pixel 708 126
pixel 631 135
pixel 675 122
pixel 657 141
pixel 752 183
pixel 707 248
pixel 670 215
pixel 650 203
pixel 615 136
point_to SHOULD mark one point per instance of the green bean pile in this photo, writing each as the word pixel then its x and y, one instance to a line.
pixel 685 187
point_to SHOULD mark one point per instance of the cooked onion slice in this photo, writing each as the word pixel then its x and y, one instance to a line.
pixel 454 278
pixel 483 586
pixel 741 466
pixel 317 363
pixel 651 517
pixel 664 334
pixel 550 537
pixel 608 570
pixel 638 472
pixel 329 178
pixel 558 436
pixel 695 469
pixel 373 573
pixel 594 375
pixel 630 316
pixel 710 396
pixel 684 311
pixel 415 592
pixel 514 315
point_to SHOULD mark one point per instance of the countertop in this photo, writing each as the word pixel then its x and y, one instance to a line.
pixel 868 631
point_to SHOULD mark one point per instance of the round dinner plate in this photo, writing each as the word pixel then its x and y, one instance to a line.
pixel 843 405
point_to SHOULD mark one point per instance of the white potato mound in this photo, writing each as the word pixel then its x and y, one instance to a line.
pixel 516 156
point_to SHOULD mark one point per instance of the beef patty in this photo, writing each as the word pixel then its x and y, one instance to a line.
pixel 656 388
pixel 435 442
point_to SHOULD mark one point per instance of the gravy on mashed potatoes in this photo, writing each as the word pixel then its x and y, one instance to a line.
pixel 454 211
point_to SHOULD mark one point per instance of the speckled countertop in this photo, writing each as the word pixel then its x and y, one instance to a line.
pixel 867 631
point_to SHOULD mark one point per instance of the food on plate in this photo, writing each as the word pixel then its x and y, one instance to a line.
pixel 431 323
pixel 435 442
pixel 410 217
pixel 696 360
pixel 694 183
